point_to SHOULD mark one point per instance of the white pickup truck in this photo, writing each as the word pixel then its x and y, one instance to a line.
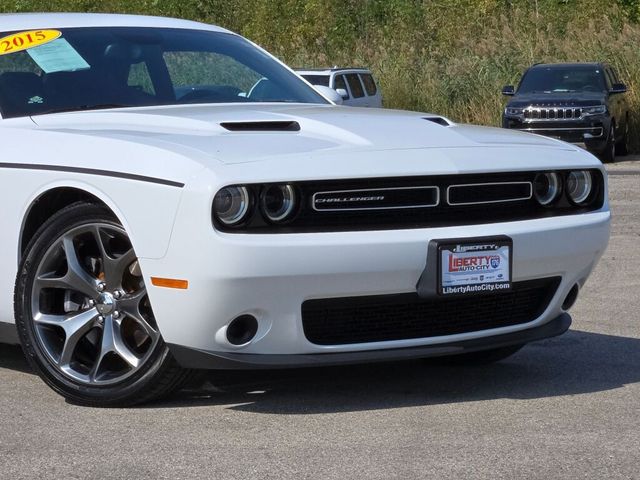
pixel 356 86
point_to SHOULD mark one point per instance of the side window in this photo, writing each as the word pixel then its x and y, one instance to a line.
pixel 614 76
pixel 317 79
pixel 340 83
pixel 140 79
pixel 355 85
pixel 369 84
pixel 608 78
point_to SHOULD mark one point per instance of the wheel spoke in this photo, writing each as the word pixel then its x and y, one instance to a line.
pixel 120 347
pixel 130 307
pixel 130 304
pixel 76 278
pixel 75 327
pixel 112 342
pixel 114 267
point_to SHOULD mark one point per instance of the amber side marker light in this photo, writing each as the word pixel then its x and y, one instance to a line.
pixel 170 283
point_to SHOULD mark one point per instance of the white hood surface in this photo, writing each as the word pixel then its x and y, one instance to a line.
pixel 197 130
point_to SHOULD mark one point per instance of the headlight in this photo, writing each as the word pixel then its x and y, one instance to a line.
pixel 231 205
pixel 579 185
pixel 278 202
pixel 546 187
pixel 598 110
pixel 514 111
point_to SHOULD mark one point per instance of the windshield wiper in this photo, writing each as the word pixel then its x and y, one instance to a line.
pixel 80 108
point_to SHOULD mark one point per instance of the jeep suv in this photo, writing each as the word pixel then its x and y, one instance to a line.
pixel 581 103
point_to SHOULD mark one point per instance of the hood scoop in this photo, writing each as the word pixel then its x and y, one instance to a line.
pixel 269 126
pixel 439 120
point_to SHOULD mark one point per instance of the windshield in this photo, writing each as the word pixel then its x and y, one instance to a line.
pixel 562 79
pixel 92 68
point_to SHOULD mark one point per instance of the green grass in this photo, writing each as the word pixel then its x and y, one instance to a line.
pixel 444 56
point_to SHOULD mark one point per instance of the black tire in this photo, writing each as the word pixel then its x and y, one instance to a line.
pixel 608 155
pixel 482 357
pixel 157 376
pixel 622 148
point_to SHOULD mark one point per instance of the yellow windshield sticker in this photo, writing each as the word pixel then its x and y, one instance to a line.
pixel 26 40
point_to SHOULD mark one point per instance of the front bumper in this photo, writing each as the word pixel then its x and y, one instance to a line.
pixel 590 131
pixel 271 276
pixel 194 358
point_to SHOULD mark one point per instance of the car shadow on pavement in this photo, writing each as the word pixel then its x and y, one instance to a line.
pixel 575 363
pixel 12 358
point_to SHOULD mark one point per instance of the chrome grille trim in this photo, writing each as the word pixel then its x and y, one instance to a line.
pixel 362 192
pixel 552 113
pixel 489 201
pixel 595 131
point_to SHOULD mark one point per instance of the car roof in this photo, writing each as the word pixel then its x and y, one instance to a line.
pixel 568 64
pixel 328 71
pixel 30 21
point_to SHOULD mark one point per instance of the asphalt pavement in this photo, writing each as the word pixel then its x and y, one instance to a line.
pixel 568 407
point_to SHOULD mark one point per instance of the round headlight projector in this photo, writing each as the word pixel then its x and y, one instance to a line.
pixel 546 187
pixel 579 185
pixel 278 202
pixel 231 205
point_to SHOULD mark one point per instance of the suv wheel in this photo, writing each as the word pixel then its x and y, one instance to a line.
pixel 622 148
pixel 83 313
pixel 608 155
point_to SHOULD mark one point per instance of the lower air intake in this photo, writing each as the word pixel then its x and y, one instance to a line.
pixel 340 321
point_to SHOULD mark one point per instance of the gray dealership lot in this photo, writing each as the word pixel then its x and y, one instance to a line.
pixel 568 407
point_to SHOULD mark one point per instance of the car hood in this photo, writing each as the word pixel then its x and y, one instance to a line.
pixel 559 99
pixel 250 133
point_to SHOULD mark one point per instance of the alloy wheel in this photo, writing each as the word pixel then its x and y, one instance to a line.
pixel 90 308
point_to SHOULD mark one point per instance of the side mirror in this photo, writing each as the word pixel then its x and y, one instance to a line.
pixel 508 90
pixel 329 94
pixel 343 93
pixel 618 88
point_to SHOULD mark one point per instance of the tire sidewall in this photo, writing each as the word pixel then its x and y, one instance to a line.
pixel 608 155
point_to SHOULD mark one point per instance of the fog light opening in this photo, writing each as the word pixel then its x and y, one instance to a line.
pixel 242 329
pixel 571 298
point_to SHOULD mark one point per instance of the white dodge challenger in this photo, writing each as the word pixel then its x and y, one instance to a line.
pixel 174 198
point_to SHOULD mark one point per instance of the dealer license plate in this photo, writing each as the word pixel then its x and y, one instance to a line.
pixel 475 266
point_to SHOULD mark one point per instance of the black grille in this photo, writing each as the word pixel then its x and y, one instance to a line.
pixel 340 321
pixel 376 199
pixel 552 113
pixel 489 193
pixel 309 219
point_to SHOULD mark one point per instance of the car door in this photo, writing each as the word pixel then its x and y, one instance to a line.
pixel 356 90
pixel 339 83
pixel 372 90
pixel 615 101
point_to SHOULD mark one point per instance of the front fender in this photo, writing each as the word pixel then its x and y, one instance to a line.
pixel 147 211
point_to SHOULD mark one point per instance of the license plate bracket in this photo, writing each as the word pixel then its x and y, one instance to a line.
pixel 474 266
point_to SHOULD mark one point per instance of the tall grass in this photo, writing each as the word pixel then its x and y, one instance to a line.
pixel 445 56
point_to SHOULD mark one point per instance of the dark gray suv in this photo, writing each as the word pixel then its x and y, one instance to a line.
pixel 582 103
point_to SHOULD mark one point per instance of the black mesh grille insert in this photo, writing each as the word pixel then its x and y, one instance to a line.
pixel 489 193
pixel 339 321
